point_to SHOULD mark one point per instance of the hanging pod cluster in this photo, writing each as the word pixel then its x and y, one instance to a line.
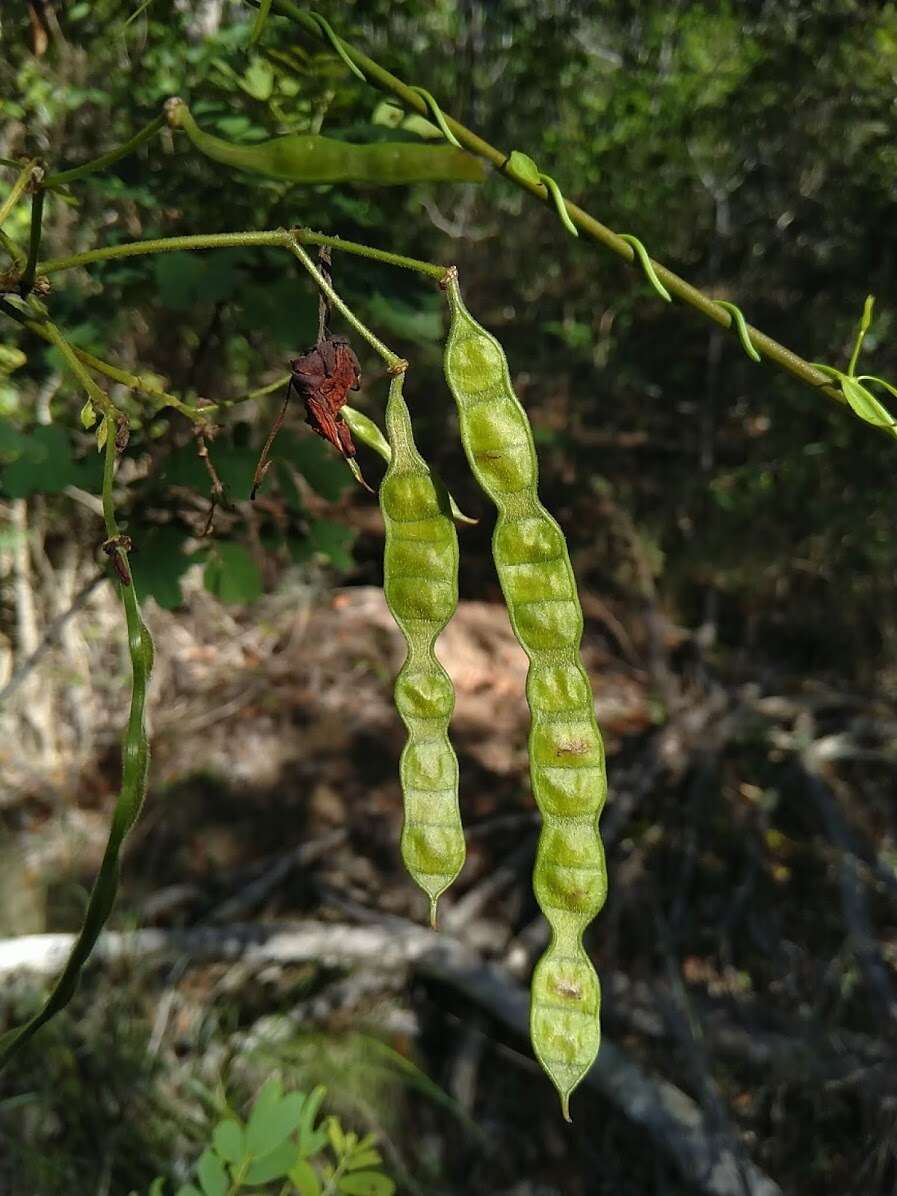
pixel 565 747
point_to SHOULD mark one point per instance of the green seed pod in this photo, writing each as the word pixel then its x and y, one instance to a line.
pixel 309 158
pixel 364 429
pixel 420 581
pixel 566 752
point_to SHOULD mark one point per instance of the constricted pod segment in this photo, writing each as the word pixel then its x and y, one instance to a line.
pixel 565 746
pixel 420 581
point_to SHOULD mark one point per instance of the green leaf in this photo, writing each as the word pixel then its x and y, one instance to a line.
pixel 184 280
pixel 10 359
pixel 865 405
pixel 12 444
pixel 276 1121
pixel 337 1136
pixel 229 1141
pixel 327 538
pixel 275 1164
pixel 44 465
pixel 88 415
pixel 187 1190
pixel 158 564
pixel 323 468
pixel 232 576
pixel 312 1140
pixel 212 1176
pixel 267 1099
pixel 364 1158
pixel 304 1179
pixel 258 79
pixel 422 321
pixel 366 1183
pixel 157 1187
pixel 522 167
pixel 289 317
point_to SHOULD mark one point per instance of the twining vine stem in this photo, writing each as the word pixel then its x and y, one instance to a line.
pixel 383 79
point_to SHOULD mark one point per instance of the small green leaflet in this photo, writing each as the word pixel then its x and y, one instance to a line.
pixel 521 166
pixel 231 574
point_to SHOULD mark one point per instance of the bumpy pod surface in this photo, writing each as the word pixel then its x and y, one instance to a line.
pixel 566 752
pixel 309 158
pixel 420 580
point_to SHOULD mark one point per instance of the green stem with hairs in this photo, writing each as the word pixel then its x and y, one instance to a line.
pixel 431 269
pixel 95 393
pixel 80 172
pixel 279 237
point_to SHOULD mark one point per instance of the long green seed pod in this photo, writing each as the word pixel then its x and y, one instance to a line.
pixel 309 158
pixel 135 761
pixel 566 752
pixel 364 429
pixel 420 581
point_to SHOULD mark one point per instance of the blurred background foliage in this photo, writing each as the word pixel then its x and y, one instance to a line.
pixel 749 146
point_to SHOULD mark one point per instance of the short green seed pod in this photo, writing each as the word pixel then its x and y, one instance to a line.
pixel 420 581
pixel 566 753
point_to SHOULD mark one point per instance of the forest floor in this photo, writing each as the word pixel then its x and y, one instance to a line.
pixel 747 950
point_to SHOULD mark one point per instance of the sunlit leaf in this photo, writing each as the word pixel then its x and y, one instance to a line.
pixel 277 1120
pixel 228 1140
pixel 212 1175
pixel 366 1183
pixel 274 1165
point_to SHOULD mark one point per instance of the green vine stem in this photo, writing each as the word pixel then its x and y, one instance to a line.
pixel 86 168
pixel 379 77
pixel 95 393
pixel 135 759
pixel 280 237
pixel 34 239
pixel 323 284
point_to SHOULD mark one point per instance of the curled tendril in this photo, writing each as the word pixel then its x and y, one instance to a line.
pixel 647 265
pixel 555 192
pixel 521 167
pixel 741 328
pixel 327 29
pixel 436 112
